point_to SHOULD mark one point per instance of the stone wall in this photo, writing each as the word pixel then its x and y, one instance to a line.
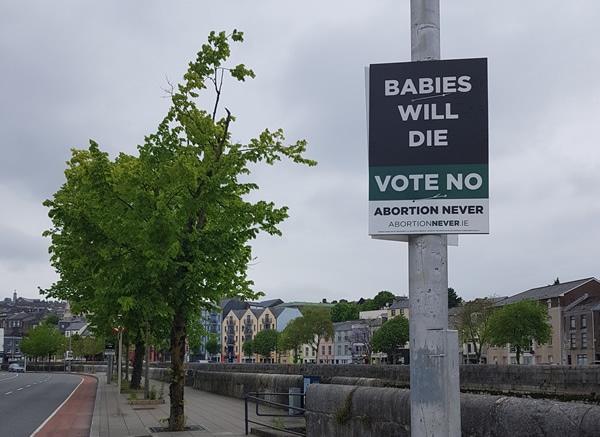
pixel 347 411
pixel 562 382
pixel 364 400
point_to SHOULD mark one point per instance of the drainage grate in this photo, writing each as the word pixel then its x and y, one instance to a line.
pixel 158 429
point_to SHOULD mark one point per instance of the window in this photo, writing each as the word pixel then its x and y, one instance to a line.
pixel 393 313
pixel 573 341
pixel 583 340
pixel 583 321
pixel 401 311
pixel 582 360
pixel 329 349
pixel 572 322
pixel 339 349
pixel 323 350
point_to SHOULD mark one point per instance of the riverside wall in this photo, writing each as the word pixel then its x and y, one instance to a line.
pixel 351 411
pixel 557 382
pixel 365 401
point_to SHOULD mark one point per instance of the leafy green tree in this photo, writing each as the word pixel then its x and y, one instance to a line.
pixel 383 299
pixel 265 343
pixel 471 322
pixel 212 347
pixel 316 325
pixel 454 299
pixel 51 319
pixel 519 324
pixel 248 348
pixel 76 345
pixel 92 346
pixel 42 341
pixel 344 311
pixel 391 337
pixel 293 337
pixel 368 305
pixel 163 235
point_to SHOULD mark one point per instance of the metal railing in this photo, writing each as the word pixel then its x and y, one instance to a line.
pixel 275 409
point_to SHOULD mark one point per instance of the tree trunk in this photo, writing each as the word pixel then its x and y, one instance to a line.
pixel 178 339
pixel 138 364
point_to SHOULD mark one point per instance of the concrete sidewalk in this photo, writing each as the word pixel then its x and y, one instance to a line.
pixel 207 413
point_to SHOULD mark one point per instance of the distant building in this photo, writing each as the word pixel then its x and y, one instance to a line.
pixel 570 344
pixel 241 323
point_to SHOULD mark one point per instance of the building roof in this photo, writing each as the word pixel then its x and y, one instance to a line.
pixel 306 304
pixel 344 326
pixel 399 304
pixel 547 292
pixel 586 304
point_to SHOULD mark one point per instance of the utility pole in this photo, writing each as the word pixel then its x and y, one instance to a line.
pixel 434 372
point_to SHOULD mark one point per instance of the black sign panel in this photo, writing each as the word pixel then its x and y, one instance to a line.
pixel 428 113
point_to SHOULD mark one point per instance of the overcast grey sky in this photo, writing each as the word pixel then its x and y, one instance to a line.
pixel 72 71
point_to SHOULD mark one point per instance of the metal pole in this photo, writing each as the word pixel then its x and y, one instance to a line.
pixel 434 386
pixel 119 372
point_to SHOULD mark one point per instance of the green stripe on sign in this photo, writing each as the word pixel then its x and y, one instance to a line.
pixel 463 181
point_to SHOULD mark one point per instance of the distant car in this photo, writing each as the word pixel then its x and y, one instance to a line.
pixel 14 367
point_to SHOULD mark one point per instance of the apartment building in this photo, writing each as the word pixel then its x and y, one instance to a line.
pixel 562 300
pixel 241 325
pixel 581 329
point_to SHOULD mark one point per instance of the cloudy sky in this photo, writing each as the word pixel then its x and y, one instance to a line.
pixel 72 71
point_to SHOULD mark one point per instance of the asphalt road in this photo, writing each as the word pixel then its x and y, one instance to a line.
pixel 27 400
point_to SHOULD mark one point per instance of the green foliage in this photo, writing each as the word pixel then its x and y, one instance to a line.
pixel 518 324
pixel 51 319
pixel 368 305
pixel 314 326
pixel 277 422
pixel 383 298
pixel 317 325
pixel 293 337
pixel 212 346
pixel 264 342
pixel 42 341
pixel 162 235
pixel 344 311
pixel 391 337
pixel 344 414
pixel 471 322
pixel 248 348
pixel 454 299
